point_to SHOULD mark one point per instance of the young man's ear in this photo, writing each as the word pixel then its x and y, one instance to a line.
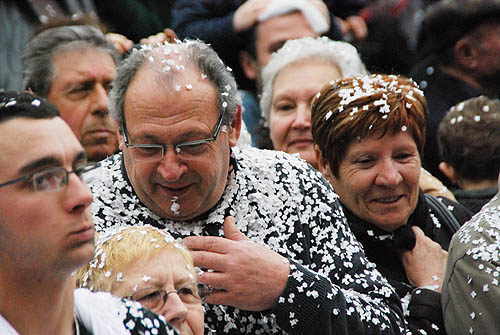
pixel 249 65
pixel 449 172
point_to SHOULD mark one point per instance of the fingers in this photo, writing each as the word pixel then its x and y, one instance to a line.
pixel 209 260
pixel 232 232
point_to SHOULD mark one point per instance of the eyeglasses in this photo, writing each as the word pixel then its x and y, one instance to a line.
pixel 155 298
pixel 52 179
pixel 185 151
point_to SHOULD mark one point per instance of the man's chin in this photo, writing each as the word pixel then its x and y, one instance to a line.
pixel 99 152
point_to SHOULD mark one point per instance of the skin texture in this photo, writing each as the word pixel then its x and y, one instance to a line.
pixel 378 179
pixel 169 271
pixel 80 90
pixel 159 114
pixel 290 116
pixel 59 222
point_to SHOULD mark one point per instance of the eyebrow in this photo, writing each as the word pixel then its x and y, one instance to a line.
pixel 49 162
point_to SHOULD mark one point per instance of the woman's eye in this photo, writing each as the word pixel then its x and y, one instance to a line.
pixel 284 107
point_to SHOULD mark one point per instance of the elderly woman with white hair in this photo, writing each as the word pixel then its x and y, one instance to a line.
pixel 292 78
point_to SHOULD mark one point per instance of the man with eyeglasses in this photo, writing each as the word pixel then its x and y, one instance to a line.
pixel 265 226
pixel 46 230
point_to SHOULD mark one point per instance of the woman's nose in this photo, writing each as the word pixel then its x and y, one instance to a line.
pixel 174 310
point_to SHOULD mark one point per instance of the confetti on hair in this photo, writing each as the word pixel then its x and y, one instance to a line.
pixel 477 118
pixel 189 86
pixel 328 115
pixel 486 108
pixel 35 102
pixel 404 128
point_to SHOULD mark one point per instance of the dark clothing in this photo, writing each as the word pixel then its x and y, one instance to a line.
pixel 135 19
pixel 423 305
pixel 474 199
pixel 442 92
pixel 280 201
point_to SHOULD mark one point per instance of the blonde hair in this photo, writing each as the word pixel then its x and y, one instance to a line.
pixel 119 249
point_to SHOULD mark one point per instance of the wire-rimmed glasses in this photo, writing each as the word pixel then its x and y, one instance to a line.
pixel 154 298
pixel 52 179
pixel 185 150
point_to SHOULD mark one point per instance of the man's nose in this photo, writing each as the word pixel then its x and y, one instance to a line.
pixel 171 168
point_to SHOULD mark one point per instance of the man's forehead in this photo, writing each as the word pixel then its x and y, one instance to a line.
pixel 83 63
pixel 23 140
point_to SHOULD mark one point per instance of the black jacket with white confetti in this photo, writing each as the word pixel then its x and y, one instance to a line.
pixel 280 201
pixel 422 306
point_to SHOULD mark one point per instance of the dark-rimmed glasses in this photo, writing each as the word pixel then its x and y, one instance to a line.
pixel 52 179
pixel 154 298
pixel 185 150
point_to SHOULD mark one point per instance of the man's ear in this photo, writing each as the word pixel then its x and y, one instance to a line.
pixel 119 135
pixel 449 172
pixel 466 54
pixel 249 65
pixel 234 130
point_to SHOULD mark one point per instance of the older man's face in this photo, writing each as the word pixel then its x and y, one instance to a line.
pixel 155 113
pixel 80 90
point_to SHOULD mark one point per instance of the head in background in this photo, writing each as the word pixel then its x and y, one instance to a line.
pixel 282 20
pixel 73 67
pixel 292 78
pixel 469 143
pixel 369 133
pixel 147 265
pixel 465 37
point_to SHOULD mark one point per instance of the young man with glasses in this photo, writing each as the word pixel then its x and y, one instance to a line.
pixel 266 226
pixel 46 230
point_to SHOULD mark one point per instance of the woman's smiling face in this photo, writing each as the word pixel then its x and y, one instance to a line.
pixel 378 179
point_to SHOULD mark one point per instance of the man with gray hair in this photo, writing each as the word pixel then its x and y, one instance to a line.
pixel 73 67
pixel 267 228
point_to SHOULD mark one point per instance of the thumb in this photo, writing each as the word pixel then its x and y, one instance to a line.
pixel 232 232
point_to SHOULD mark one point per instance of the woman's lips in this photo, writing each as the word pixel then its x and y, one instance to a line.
pixel 302 142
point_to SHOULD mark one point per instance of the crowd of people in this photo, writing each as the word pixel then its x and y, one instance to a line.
pixel 250 167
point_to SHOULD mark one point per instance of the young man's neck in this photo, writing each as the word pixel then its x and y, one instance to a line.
pixel 466 184
pixel 34 305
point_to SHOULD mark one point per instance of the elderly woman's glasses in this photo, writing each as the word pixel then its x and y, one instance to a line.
pixel 185 150
pixel 154 298
pixel 53 179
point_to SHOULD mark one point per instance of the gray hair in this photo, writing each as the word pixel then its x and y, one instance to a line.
pixel 341 54
pixel 161 59
pixel 37 57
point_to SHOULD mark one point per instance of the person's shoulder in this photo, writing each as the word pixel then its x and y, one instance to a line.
pixel 481 233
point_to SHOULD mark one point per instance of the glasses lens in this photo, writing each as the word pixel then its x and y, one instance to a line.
pixel 204 291
pixel 146 153
pixel 50 180
pixel 150 298
pixel 193 150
